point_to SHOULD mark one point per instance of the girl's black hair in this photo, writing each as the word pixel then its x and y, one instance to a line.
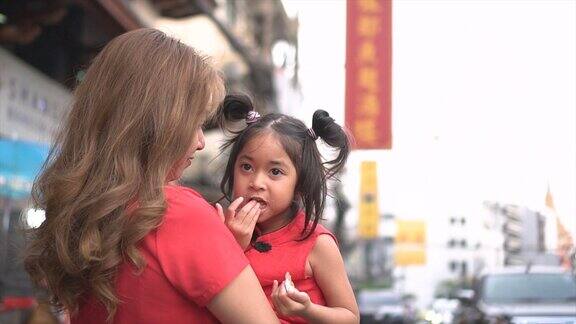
pixel 299 144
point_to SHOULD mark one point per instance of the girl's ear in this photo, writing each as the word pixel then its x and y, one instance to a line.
pixel 298 196
pixel 296 202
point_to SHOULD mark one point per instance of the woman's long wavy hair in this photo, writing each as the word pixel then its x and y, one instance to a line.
pixel 133 117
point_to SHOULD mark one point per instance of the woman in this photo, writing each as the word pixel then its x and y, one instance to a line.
pixel 120 243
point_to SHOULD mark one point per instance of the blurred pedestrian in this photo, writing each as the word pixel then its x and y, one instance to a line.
pixel 120 242
pixel 277 178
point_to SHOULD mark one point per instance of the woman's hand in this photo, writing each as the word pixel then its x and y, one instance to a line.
pixel 288 300
pixel 240 222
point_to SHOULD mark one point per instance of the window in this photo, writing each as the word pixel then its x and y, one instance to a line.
pixel 453 265
pixel 519 287
pixel 12 91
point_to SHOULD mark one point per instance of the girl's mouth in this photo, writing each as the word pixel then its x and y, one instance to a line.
pixel 260 201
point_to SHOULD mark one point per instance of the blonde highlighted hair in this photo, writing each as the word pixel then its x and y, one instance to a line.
pixel 134 116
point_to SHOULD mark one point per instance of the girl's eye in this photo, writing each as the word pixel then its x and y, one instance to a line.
pixel 276 172
pixel 245 166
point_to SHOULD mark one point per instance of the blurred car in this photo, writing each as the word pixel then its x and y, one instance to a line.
pixel 442 311
pixel 521 294
pixel 381 306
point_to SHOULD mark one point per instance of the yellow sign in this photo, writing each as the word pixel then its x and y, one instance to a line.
pixel 410 243
pixel 404 256
pixel 368 218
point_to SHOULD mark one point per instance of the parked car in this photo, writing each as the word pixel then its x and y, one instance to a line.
pixel 521 294
pixel 382 306
pixel 441 311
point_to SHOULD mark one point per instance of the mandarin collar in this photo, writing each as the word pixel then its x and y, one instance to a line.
pixel 289 232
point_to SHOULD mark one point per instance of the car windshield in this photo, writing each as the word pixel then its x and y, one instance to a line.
pixel 371 300
pixel 529 288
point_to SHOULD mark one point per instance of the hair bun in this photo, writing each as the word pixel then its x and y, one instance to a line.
pixel 334 135
pixel 236 106
pixel 321 122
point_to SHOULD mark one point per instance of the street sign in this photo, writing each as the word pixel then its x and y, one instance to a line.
pixel 369 215
pixel 410 243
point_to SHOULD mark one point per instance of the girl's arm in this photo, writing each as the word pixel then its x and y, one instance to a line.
pixel 243 301
pixel 330 274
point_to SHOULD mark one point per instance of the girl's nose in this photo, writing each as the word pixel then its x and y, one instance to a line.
pixel 257 183
pixel 201 140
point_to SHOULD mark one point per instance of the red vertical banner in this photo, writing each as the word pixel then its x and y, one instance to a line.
pixel 369 73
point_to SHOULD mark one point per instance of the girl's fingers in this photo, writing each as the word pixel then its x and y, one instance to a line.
pixel 220 212
pixel 234 205
pixel 299 296
pixel 245 211
pixel 287 304
pixel 283 298
pixel 288 284
pixel 250 215
pixel 274 293
pixel 281 292
pixel 254 218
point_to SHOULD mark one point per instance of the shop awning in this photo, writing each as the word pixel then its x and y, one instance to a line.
pixel 20 163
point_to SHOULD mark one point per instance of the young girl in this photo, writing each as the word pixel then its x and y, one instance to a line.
pixel 276 175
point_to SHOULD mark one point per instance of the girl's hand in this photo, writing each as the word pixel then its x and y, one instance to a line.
pixel 242 222
pixel 291 302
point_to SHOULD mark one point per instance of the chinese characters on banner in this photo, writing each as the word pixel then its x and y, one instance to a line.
pixel 410 243
pixel 369 72
pixel 369 215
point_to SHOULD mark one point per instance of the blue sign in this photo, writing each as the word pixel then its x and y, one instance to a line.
pixel 20 163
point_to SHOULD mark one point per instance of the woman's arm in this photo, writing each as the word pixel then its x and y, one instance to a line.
pixel 330 274
pixel 243 301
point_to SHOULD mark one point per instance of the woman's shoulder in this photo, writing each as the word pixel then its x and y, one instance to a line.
pixel 180 191
pixel 189 216
pixel 183 194
pixel 183 201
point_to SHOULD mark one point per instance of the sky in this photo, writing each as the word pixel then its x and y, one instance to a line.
pixel 483 102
